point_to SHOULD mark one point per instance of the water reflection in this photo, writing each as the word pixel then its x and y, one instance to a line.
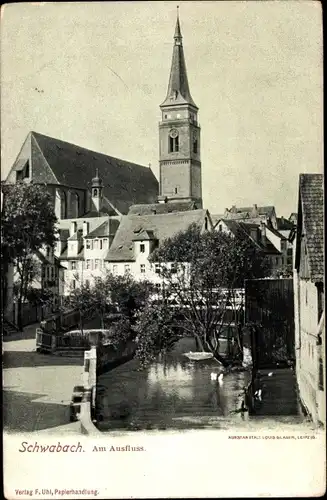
pixel 172 393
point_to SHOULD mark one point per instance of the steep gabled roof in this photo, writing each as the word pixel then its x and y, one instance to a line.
pixel 162 226
pixel 311 223
pixel 59 162
pixel 243 230
pixel 162 208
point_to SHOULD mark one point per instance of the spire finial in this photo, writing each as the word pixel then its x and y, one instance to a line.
pixel 178 35
pixel 96 172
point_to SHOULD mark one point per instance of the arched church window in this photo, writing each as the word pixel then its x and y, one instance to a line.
pixel 74 204
pixel 60 204
pixel 95 192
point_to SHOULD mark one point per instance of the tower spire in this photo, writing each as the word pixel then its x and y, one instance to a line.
pixel 178 89
pixel 178 34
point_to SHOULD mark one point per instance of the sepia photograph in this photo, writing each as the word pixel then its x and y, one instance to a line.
pixel 162 249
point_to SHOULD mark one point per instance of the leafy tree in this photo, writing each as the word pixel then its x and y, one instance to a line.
pixel 201 274
pixel 28 224
pixel 157 331
pixel 81 299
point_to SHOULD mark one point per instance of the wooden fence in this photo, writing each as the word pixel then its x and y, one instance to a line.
pixel 269 312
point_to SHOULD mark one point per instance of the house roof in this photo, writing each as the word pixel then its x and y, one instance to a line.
pixel 243 230
pixel 284 224
pixel 275 232
pixel 162 208
pixel 162 226
pixel 311 208
pixel 61 163
pixel 106 229
pixel 216 218
pixel 249 212
pixel 76 236
pixel 144 235
pixel 79 256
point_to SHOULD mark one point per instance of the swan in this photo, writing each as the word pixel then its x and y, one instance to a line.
pixel 270 374
pixel 214 376
pixel 258 394
pixel 220 377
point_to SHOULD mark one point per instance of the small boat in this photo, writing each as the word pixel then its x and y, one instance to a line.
pixel 198 356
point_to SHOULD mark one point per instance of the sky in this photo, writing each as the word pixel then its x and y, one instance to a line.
pixel 94 74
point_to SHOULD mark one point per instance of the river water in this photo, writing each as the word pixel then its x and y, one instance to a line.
pixel 175 393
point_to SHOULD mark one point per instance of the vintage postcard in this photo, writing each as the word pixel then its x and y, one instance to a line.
pixel 162 250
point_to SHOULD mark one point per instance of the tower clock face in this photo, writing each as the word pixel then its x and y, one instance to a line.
pixel 173 133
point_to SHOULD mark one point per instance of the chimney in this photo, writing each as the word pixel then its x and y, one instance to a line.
pixel 73 228
pixel 263 230
pixel 233 209
pixel 85 228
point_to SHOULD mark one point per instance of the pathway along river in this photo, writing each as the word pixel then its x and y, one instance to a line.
pixel 176 393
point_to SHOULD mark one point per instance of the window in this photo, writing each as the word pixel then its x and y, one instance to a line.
pixel 73 265
pixel 175 190
pixel 27 170
pixel 127 268
pixel 195 146
pixel 174 268
pixel 173 146
pixel 157 268
pixel 73 284
pixel 142 248
pixel 220 227
pixel 142 267
pixel 100 243
pixel 105 243
pixel 88 264
pixel 115 268
pixel 88 244
pixel 96 264
pixel 95 244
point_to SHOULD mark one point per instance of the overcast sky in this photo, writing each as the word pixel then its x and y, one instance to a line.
pixel 254 69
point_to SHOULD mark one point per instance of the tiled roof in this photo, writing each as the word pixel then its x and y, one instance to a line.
pixel 312 206
pixel 163 226
pixel 58 162
pixel 162 208
pixel 144 235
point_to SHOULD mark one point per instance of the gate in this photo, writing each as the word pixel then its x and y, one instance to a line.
pixel 269 311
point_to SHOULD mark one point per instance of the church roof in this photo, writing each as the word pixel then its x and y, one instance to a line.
pixel 58 162
pixel 162 208
pixel 160 227
pixel 178 89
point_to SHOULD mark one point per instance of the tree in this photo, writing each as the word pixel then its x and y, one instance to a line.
pixel 28 224
pixel 201 274
pixel 157 331
pixel 109 294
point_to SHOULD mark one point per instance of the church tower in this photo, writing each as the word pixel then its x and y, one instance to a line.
pixel 179 135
